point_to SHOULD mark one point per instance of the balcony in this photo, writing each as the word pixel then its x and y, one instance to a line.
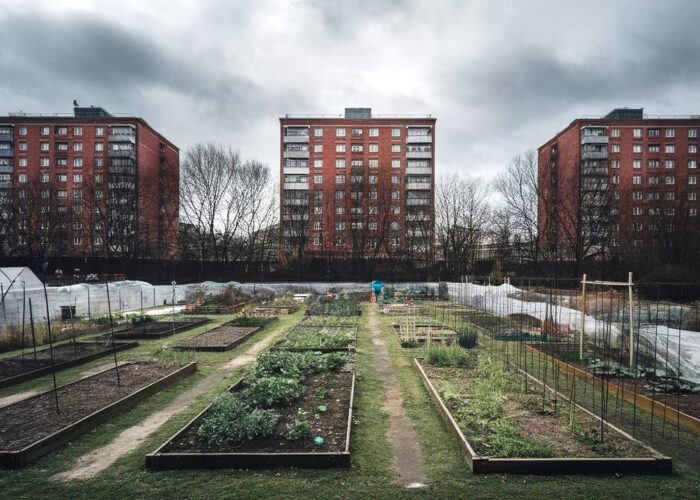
pixel 6 153
pixel 594 155
pixel 122 153
pixel 296 170
pixel 594 139
pixel 295 138
pixel 419 139
pixel 419 154
pixel 419 171
pixel 418 186
pixel 295 154
pixel 418 217
pixel 296 186
pixel 296 217
pixel 296 202
pixel 6 169
pixel 415 202
pixel 5 184
pixel 5 137
pixel 122 138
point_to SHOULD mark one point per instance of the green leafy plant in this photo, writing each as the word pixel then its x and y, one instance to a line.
pixel 231 420
pixel 299 427
pixel 267 392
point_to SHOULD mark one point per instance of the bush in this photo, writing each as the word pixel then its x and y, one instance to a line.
pixel 268 392
pixel 141 320
pixel 230 420
pixel 467 339
pixel 454 356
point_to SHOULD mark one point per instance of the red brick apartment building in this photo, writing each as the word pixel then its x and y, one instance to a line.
pixel 619 183
pixel 357 184
pixel 87 184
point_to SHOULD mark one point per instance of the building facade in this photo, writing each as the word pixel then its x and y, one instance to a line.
pixel 619 183
pixel 357 185
pixel 87 184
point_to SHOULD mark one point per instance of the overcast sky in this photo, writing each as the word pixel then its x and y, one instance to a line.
pixel 500 76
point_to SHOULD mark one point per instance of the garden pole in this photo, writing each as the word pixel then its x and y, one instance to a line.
pixel 89 310
pixel 583 316
pixel 53 371
pixel 111 328
pixel 629 286
pixel 31 322
pixel 24 295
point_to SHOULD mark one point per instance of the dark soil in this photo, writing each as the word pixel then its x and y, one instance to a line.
pixel 156 329
pixel 16 365
pixel 32 419
pixel 331 425
pixel 222 337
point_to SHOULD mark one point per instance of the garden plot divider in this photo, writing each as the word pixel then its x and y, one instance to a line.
pixel 17 458
pixel 63 365
pixel 164 460
pixel 655 463
pixel 143 333
pixel 222 338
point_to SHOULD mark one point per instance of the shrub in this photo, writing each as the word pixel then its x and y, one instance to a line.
pixel 268 392
pixel 141 319
pixel 299 427
pixel 249 321
pixel 467 339
pixel 440 355
pixel 230 420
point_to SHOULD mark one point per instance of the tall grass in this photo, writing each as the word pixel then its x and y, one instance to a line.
pixel 449 355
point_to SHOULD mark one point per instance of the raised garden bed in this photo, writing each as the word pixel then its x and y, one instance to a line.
pixel 322 306
pixel 272 311
pixel 19 369
pixel 285 433
pixel 215 308
pixel 422 332
pixel 157 329
pixel 219 339
pixel 304 337
pixel 502 429
pixel 681 409
pixel 32 428
pixel 399 309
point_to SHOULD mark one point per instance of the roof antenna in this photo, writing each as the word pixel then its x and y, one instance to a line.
pixel 75 103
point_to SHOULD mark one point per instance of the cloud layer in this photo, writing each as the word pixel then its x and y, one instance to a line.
pixel 501 77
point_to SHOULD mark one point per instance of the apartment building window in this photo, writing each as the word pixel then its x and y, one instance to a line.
pixel 692 133
pixel 373 179
pixel 43 162
pixel 77 130
pixel 43 146
pixel 395 179
pixel 653 132
pixel 77 177
pixel 318 163
pixel 340 148
pixel 45 193
pixel 669 163
pixel 340 132
pixel 636 210
pixel 77 193
pixel 77 146
pixel 615 132
pixel 99 131
pixel 318 210
pixel 396 148
pixel 77 162
pixel 373 163
pixel 22 131
pixel 669 180
pixel 395 194
pixel 396 241
pixel 77 208
pixel 670 148
pixel 340 195
pixel 637 133
pixel 653 196
pixel 653 163
pixel 615 179
pixel 98 194
pixel 356 132
pixel 692 196
pixel 374 148
pixel 637 195
pixel 340 179
pixel 318 179
pixel 374 132
pixel 614 163
pixel 653 179
pixel 395 163
pixel 339 210
pixel 654 148
pixel 356 148
pixel 395 226
pixel 356 179
pixel 22 162
pixel 669 211
pixel 670 132
pixel 318 148
pixel 61 146
pixel 395 210
pixel 61 130
pixel 693 212
pixel 692 163
pixel 373 226
pixel 44 131
pixel 98 178
pixel 339 163
pixel 99 146
pixel 692 180
pixel 692 148
pixel 395 132
pixel 317 241
pixel 44 178
pixel 317 225
pixel 77 240
pixel 318 195
pixel 636 163
pixel 373 195
pixel 615 148
pixel 636 179
pixel 61 178
pixel 636 148
pixel 22 178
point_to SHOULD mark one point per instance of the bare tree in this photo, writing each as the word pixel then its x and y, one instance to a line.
pixel 462 216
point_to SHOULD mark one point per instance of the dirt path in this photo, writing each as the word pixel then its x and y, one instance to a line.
pixel 403 439
pixel 94 462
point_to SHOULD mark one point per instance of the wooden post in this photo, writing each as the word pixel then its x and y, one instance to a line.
pixel 583 316
pixel 631 321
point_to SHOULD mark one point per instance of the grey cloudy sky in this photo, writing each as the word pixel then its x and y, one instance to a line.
pixel 500 76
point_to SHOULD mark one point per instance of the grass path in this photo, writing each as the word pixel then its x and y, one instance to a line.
pixel 403 439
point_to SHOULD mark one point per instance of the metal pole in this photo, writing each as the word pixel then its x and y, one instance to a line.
pixel 53 371
pixel 24 295
pixel 583 316
pixel 31 323
pixel 632 321
pixel 89 310
pixel 111 327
